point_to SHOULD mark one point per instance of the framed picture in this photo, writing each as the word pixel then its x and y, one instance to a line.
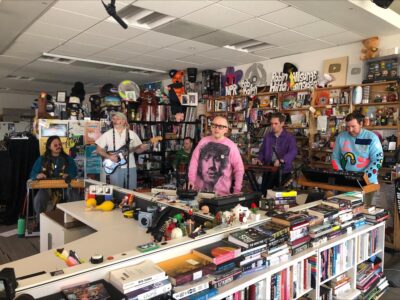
pixel 193 99
pixel 61 96
pixel 337 67
pixel 185 99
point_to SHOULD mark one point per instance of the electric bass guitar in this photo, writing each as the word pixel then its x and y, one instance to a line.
pixel 122 154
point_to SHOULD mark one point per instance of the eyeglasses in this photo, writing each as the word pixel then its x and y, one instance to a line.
pixel 214 126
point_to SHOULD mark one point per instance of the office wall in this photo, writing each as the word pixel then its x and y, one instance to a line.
pixel 314 60
pixel 22 101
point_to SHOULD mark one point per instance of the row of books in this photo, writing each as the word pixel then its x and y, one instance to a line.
pixel 141 281
pixel 368 244
pixel 336 260
pixel 146 131
pixel 370 279
pixel 252 292
pixel 156 113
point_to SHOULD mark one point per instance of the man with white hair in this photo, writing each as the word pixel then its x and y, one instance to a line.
pixel 113 140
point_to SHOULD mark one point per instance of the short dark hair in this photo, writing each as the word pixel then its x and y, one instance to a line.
pixel 278 115
pixel 355 115
pixel 188 138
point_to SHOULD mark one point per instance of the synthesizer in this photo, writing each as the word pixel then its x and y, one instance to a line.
pixel 222 203
pixel 340 177
pixel 55 184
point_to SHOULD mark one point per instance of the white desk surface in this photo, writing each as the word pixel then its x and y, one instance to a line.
pixel 115 236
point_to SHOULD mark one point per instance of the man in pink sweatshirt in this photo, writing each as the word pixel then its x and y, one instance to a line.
pixel 216 161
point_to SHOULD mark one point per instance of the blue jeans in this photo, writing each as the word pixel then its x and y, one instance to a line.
pixel 118 178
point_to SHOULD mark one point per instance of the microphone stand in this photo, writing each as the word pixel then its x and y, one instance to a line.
pixel 127 142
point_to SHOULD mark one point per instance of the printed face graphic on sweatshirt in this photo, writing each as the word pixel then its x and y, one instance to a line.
pixel 212 163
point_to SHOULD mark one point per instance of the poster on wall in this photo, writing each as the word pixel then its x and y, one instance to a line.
pixel 92 160
pixel 337 68
pixel 281 82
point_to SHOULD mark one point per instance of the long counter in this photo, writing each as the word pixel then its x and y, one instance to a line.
pixel 115 237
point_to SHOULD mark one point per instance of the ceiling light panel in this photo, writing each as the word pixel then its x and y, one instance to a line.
pixel 255 8
pixel 143 18
pixel 221 38
pixel 98 64
pixel 156 39
pixel 184 29
pixel 290 17
pixel 173 8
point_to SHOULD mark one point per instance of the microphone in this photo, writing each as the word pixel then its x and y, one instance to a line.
pixel 111 10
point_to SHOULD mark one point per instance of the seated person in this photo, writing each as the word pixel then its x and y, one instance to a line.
pixel 53 164
pixel 182 159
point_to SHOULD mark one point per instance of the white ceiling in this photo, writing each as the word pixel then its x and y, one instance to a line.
pixel 195 38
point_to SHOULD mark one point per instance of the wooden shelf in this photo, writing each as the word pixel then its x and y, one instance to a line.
pixel 331 105
pixel 388 127
pixel 376 83
pixel 295 109
pixel 339 87
pixel 322 150
pixel 379 104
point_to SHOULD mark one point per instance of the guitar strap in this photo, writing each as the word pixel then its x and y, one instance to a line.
pixel 127 144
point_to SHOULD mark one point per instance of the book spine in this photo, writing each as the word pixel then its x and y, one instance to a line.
pixel 191 290
pixel 225 257
pixel 128 287
pixel 152 293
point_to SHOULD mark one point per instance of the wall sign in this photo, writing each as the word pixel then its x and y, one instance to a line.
pixel 248 89
pixel 302 80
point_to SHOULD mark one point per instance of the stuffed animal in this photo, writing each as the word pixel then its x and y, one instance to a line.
pixel 175 92
pixel 323 82
pixel 370 49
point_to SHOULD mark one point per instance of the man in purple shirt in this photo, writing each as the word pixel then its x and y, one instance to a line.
pixel 278 149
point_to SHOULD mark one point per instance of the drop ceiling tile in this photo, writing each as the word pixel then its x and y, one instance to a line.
pixel 283 38
pixel 289 17
pixel 319 29
pixel 217 16
pixel 198 59
pixel 10 61
pixel 222 53
pixel 275 52
pixel 177 64
pixel 167 54
pixel 53 31
pixel 89 8
pixel 342 38
pixel 113 55
pixel 96 40
pixel 136 47
pixel 221 38
pixel 79 49
pixel 156 39
pixel 30 41
pixel 67 19
pixel 253 27
pixel 249 58
pixel 173 8
pixel 146 60
pixel 255 8
pixel 111 29
pixel 191 47
pixel 308 46
pixel 184 29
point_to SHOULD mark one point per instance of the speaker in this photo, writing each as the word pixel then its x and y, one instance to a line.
pixel 192 73
pixel 383 3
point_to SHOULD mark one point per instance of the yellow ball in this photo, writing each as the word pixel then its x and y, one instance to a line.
pixel 91 202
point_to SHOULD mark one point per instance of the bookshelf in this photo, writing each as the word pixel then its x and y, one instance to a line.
pixel 158 121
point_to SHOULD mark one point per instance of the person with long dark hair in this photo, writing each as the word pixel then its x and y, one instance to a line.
pixel 53 164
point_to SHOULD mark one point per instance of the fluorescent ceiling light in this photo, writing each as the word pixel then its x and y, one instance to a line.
pixel 96 63
pixel 249 46
pixel 387 15
pixel 143 18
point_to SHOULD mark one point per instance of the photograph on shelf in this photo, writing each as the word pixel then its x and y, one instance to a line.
pixel 193 99
pixel 61 96
pixel 185 99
